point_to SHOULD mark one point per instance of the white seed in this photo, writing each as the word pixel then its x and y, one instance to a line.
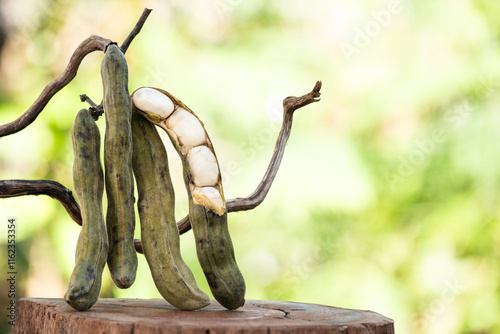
pixel 203 165
pixel 153 103
pixel 187 127
pixel 209 197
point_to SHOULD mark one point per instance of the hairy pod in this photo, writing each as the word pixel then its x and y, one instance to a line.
pixel 120 215
pixel 159 233
pixel 207 207
pixel 92 246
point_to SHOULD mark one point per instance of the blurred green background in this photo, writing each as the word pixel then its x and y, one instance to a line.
pixel 387 195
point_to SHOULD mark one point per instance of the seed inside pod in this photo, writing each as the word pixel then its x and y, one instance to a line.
pixel 155 104
pixel 209 197
pixel 204 166
pixel 187 127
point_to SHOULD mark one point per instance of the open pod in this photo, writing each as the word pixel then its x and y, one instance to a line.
pixel 202 178
pixel 190 139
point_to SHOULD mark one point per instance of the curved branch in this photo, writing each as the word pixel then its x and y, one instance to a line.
pixel 90 44
pixel 290 104
pixel 14 188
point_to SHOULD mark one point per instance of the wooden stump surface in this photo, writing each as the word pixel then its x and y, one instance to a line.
pixel 148 316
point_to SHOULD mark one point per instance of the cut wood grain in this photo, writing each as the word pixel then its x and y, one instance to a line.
pixel 141 316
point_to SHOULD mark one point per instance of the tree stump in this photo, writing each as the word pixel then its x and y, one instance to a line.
pixel 148 316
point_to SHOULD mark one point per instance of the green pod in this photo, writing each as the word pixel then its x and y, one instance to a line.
pixel 120 215
pixel 216 256
pixel 159 233
pixel 208 219
pixel 92 246
pixel 214 249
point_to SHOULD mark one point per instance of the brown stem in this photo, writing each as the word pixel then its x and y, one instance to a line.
pixel 90 44
pixel 14 188
pixel 290 104
pixel 136 30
